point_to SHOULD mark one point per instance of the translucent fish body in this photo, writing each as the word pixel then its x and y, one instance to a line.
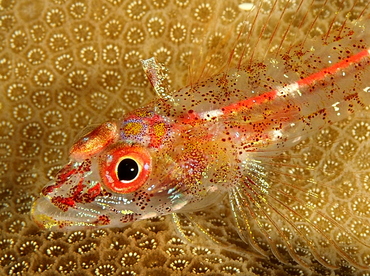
pixel 188 150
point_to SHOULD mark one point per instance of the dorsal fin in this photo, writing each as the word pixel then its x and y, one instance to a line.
pixel 158 77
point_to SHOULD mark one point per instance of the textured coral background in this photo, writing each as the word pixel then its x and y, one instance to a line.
pixel 67 63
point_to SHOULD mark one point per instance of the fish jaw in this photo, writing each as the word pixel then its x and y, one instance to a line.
pixel 71 201
pixel 106 211
pixel 77 200
pixel 59 209
pixel 81 217
pixel 49 217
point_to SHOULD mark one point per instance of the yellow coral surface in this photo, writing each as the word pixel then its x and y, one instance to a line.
pixel 67 63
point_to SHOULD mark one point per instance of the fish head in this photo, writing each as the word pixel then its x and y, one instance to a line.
pixel 124 171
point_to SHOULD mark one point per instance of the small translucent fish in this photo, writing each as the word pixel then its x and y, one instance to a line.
pixel 219 138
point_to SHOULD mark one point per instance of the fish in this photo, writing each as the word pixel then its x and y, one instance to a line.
pixel 223 138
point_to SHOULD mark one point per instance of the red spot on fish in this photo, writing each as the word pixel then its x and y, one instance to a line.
pixel 65 173
pixel 128 218
pixel 48 189
pixel 78 196
pixel 63 203
pixel 102 220
pixel 94 191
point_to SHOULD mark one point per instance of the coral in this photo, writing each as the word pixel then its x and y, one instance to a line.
pixel 67 63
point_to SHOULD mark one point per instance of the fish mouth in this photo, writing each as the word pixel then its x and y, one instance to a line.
pixel 49 217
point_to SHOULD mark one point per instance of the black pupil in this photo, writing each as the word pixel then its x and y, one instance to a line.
pixel 127 169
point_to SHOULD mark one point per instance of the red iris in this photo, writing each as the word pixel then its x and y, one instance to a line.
pixel 124 169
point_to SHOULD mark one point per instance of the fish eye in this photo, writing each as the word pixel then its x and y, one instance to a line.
pixel 124 169
pixel 127 169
